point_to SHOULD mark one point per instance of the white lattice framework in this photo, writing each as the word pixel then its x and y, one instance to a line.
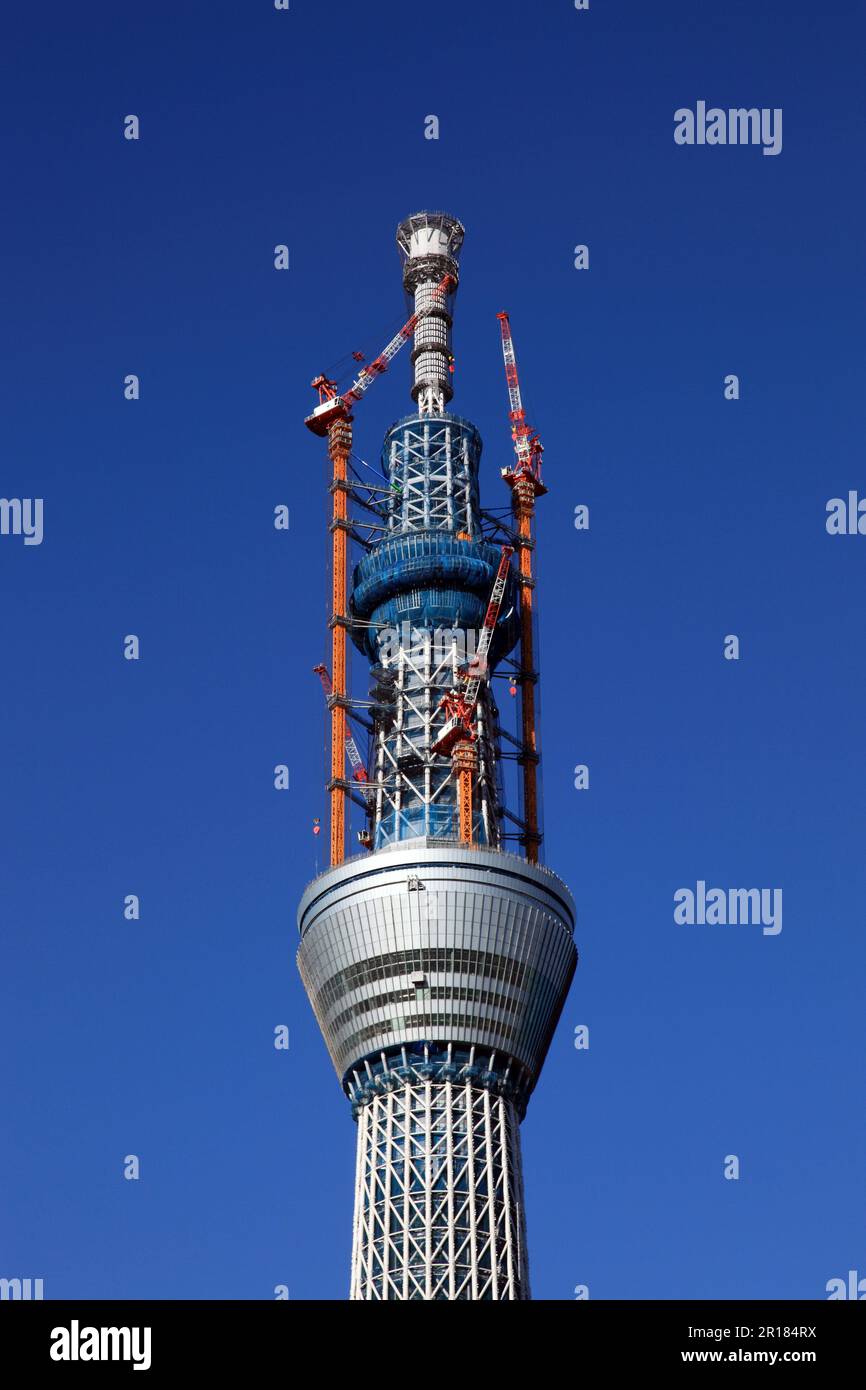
pixel 431 476
pixel 439 1196
pixel 415 789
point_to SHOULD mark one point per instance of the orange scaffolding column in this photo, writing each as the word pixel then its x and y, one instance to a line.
pixel 465 766
pixel 339 448
pixel 524 491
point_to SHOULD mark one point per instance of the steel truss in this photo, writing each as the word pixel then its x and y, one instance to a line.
pixel 439 1211
pixel 433 478
pixel 415 789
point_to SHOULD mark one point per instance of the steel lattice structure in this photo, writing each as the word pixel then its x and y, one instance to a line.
pixel 415 792
pixel 433 473
pixel 438 1194
pixel 438 963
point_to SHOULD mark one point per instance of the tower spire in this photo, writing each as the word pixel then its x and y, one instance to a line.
pixel 429 244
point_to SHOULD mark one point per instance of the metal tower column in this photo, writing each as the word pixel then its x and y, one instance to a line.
pixel 439 1194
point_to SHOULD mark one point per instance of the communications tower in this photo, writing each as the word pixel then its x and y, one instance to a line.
pixel 437 960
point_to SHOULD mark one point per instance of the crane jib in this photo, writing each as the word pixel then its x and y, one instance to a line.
pixel 367 376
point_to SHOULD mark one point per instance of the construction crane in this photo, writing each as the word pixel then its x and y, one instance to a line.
pixel 458 733
pixel 333 407
pixel 359 771
pixel 332 418
pixel 525 483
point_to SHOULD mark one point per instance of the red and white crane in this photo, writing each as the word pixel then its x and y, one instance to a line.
pixel 527 445
pixel 525 483
pixel 459 705
pixel 458 733
pixel 332 406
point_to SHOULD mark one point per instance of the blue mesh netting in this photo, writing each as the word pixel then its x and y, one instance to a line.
pixel 432 580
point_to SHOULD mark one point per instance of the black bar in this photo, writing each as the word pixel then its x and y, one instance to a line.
pixel 217 1338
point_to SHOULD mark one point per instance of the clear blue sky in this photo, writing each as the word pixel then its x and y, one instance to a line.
pixel 707 518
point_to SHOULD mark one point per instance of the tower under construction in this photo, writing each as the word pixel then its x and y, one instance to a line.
pixel 438 958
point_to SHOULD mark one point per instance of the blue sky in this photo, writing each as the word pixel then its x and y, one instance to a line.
pixel 706 518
